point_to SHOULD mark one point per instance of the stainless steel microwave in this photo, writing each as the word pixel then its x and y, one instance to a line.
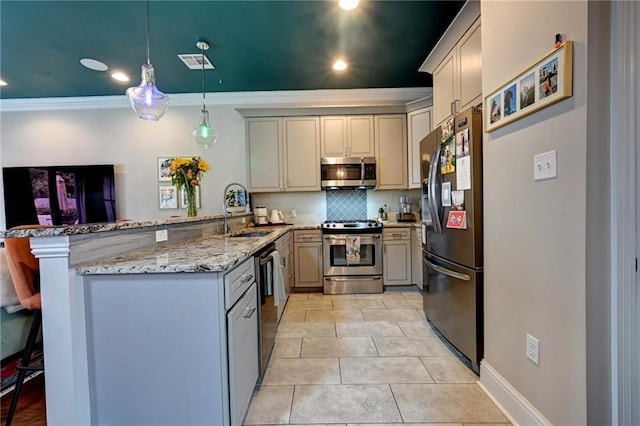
pixel 348 172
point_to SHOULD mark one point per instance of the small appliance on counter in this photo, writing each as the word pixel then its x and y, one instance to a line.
pixel 260 215
pixel 405 210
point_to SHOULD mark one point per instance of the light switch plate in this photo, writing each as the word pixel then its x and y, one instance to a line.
pixel 161 235
pixel 544 166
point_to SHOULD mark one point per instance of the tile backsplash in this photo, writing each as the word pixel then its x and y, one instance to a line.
pixel 347 204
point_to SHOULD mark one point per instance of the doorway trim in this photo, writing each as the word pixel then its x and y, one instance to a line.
pixel 625 116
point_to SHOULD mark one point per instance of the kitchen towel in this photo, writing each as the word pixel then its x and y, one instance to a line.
pixel 353 250
pixel 278 279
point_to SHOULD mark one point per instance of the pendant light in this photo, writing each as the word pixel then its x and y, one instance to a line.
pixel 146 100
pixel 204 134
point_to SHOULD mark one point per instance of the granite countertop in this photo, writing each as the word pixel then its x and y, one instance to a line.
pixel 214 253
pixel 91 228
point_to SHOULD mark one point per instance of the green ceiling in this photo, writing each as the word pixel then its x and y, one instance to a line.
pixel 256 45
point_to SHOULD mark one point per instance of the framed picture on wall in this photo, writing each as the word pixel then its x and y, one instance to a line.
pixel 167 197
pixel 164 173
pixel 545 82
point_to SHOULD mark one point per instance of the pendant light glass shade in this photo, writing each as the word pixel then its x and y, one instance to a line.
pixel 146 100
pixel 204 134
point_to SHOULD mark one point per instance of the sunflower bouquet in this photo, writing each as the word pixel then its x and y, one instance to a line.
pixel 186 174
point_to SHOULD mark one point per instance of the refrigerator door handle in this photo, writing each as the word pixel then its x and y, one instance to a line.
pixel 433 203
pixel 449 272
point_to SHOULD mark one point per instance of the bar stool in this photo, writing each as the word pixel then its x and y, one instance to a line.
pixel 24 269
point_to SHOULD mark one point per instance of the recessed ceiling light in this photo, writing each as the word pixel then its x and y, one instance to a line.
pixel 93 64
pixel 120 76
pixel 340 65
pixel 3 83
pixel 348 4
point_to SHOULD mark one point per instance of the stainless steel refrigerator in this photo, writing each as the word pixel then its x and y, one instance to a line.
pixel 451 172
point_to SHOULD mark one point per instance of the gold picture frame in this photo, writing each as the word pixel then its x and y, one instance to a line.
pixel 547 81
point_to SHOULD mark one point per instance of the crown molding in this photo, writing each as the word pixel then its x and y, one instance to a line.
pixel 469 13
pixel 283 99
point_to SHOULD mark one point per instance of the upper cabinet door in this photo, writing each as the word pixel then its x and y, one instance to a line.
pixel 418 126
pixel 471 67
pixel 360 136
pixel 457 81
pixel 391 151
pixel 302 153
pixel 333 136
pixel 264 153
pixel 347 136
pixel 444 87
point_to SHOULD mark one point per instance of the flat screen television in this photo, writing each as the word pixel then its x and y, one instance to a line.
pixel 59 195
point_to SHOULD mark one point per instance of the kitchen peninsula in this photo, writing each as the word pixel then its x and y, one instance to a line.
pixel 134 330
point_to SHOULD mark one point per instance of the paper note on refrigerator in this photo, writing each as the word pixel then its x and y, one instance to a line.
pixel 463 173
pixel 446 194
pixel 457 219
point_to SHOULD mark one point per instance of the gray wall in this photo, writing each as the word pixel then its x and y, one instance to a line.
pixel 537 233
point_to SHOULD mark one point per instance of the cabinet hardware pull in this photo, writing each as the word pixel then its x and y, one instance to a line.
pixel 248 312
pixel 397 235
pixel 246 278
pixel 449 272
pixel 353 279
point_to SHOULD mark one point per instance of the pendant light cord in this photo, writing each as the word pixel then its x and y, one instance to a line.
pixel 148 36
pixel 204 93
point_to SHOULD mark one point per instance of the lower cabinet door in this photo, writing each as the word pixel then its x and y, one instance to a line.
pixel 242 327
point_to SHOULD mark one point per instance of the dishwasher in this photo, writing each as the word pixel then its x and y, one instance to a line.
pixel 268 312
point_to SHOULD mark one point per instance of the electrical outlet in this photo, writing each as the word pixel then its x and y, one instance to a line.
pixel 244 220
pixel 533 349
pixel 162 235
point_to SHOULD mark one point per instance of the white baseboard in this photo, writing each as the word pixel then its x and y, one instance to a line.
pixel 514 406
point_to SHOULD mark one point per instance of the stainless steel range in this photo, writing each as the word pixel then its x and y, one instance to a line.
pixel 352 257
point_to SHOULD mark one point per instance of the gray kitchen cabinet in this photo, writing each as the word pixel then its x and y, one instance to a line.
pixel 347 136
pixel 242 335
pixel 418 126
pixel 396 255
pixel 457 80
pixel 210 315
pixel 391 151
pixel 264 154
pixel 301 153
pixel 283 154
pixel 307 249
pixel 416 257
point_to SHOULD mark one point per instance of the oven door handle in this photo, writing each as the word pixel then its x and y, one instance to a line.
pixel 353 278
pixel 362 238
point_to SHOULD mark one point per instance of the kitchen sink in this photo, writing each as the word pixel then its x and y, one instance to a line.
pixel 250 234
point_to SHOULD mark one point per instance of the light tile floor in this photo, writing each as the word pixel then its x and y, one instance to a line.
pixel 366 359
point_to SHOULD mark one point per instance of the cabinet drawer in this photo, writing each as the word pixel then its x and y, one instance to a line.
pixel 307 236
pixel 396 234
pixel 237 281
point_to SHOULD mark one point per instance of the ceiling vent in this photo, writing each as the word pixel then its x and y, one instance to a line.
pixel 193 61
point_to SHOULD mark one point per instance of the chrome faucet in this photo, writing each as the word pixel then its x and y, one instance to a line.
pixel 226 228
